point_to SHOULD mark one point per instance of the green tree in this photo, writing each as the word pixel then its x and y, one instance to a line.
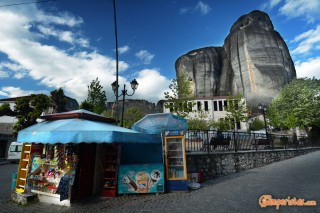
pixel 296 105
pixel 6 110
pixel 237 109
pixel 237 112
pixel 223 124
pixel 256 125
pixel 96 100
pixel 28 109
pixel 180 99
pixel 199 122
pixel 133 115
pixel 58 100
pixel 87 106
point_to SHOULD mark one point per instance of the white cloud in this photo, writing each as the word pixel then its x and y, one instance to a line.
pixel 308 68
pixel 308 9
pixel 271 4
pixel 65 36
pixel 185 10
pixel 22 36
pixel 48 64
pixel 123 49
pixel 61 18
pixel 152 85
pixel 4 94
pixel 4 74
pixel 200 7
pixel 15 91
pixel 145 56
pixel 17 70
pixel 308 41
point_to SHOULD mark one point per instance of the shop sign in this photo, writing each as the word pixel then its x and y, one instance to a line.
pixel 174 133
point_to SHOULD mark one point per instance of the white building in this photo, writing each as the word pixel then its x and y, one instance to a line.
pixel 213 106
pixel 6 128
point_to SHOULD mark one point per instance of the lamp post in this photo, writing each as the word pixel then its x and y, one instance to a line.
pixel 263 109
pixel 124 92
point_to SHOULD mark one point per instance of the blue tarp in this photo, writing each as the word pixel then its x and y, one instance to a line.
pixel 77 130
pixel 159 122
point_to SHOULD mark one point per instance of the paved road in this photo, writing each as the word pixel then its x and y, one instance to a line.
pixel 298 177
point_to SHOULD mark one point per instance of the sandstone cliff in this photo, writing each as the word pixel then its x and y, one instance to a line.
pixel 254 61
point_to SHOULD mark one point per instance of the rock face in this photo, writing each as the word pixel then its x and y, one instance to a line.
pixel 254 61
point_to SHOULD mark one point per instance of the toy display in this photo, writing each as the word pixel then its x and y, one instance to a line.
pixel 59 163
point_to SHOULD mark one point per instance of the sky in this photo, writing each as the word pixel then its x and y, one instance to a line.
pixel 69 43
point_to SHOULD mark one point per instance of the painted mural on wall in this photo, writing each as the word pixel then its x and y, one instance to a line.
pixel 147 178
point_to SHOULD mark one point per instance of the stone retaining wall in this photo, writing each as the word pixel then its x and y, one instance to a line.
pixel 220 164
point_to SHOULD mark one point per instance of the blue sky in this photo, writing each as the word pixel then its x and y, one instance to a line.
pixel 68 43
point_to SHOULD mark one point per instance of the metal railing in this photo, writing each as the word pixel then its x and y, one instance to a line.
pixel 212 140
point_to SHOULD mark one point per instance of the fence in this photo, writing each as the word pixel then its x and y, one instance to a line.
pixel 212 140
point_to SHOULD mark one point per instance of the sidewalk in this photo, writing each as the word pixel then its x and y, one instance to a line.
pixel 240 192
pixel 3 161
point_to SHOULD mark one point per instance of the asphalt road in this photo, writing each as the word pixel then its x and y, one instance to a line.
pixel 297 178
pixel 6 171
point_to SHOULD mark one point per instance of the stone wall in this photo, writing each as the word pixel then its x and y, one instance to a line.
pixel 220 164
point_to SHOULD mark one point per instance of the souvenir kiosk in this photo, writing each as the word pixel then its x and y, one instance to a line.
pixel 76 154
pixel 172 129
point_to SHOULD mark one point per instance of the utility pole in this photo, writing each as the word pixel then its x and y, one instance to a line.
pixel 117 60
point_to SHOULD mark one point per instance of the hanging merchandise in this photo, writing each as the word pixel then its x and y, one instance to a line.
pixel 60 155
pixel 49 152
pixel 71 153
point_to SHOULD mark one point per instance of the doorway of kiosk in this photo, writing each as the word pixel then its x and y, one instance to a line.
pixel 84 181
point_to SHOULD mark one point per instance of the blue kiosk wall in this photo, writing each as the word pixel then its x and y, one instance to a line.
pixel 141 169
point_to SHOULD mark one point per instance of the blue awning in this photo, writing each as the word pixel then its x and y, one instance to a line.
pixel 77 130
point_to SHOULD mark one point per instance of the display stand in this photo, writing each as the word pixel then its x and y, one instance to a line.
pixel 176 168
pixel 109 188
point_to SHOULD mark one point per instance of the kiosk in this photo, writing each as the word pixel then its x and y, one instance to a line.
pixel 77 154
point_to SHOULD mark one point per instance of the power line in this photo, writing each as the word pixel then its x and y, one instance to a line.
pixel 33 2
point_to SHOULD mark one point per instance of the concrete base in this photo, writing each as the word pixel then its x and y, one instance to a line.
pixel 23 199
pixel 52 199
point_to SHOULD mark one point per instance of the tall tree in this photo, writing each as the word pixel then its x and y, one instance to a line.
pixel 180 99
pixel 237 109
pixel 237 112
pixel 96 100
pixel 133 115
pixel 297 105
pixel 58 100
pixel 28 109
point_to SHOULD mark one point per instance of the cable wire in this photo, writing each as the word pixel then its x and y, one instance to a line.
pixel 17 4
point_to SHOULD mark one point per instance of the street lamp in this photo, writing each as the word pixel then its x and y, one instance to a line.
pixel 263 109
pixel 115 86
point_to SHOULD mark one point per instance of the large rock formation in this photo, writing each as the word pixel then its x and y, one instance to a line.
pixel 254 61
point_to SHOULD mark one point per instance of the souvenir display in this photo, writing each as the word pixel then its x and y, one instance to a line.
pixel 53 173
